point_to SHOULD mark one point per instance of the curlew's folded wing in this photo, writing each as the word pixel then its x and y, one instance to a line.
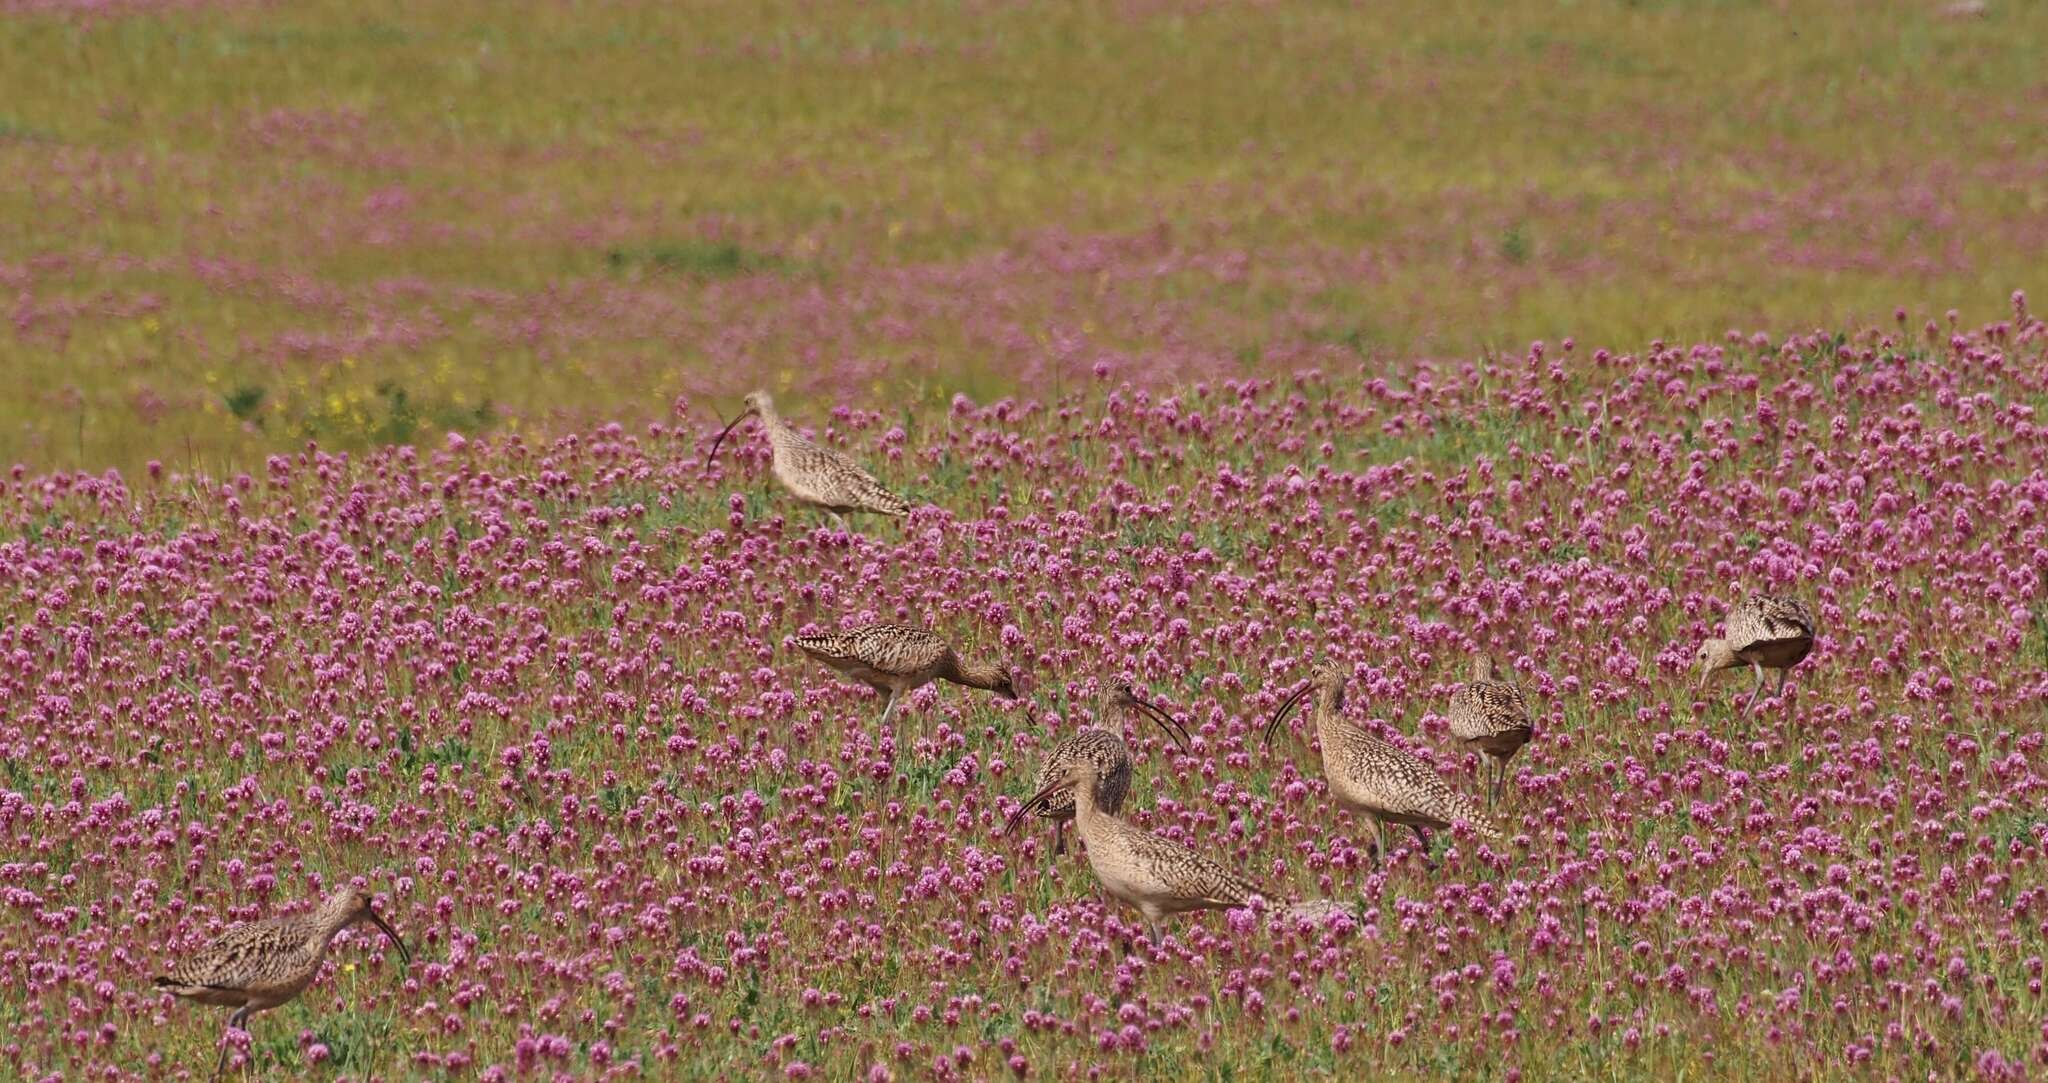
pixel 1402 784
pixel 1193 876
pixel 884 648
pixel 825 476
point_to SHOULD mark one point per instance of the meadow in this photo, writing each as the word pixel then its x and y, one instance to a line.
pixel 538 694
pixel 230 227
pixel 356 524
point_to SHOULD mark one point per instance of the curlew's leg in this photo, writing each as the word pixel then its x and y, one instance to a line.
pixel 1747 707
pixel 235 1022
pixel 1059 837
pixel 840 522
pixel 1423 840
pixel 1782 675
pixel 1152 927
pixel 887 706
pixel 1372 839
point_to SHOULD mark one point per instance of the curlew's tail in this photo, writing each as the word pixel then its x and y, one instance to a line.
pixel 1482 825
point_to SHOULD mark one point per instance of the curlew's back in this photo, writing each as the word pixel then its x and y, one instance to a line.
pixel 1762 619
pixel 1488 708
pixel 258 954
pixel 820 475
pixel 891 649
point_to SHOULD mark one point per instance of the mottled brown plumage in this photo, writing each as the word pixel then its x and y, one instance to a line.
pixel 263 964
pixel 895 658
pixel 1156 875
pixel 1112 760
pixel 815 474
pixel 1379 781
pixel 1762 632
pixel 1492 716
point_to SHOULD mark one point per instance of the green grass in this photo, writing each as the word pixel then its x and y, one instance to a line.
pixel 1396 182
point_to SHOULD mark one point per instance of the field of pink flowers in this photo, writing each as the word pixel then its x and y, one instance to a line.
pixel 537 696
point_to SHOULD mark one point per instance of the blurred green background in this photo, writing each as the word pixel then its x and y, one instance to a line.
pixel 228 229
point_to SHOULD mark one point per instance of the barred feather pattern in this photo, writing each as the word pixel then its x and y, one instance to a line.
pixel 828 479
pixel 1763 621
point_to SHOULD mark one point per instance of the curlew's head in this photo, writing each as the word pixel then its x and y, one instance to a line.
pixel 350 905
pixel 1714 654
pixel 756 404
pixel 1079 777
pixel 1127 697
pixel 1007 681
pixel 1325 681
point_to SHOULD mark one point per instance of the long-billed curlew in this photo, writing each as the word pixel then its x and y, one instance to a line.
pixel 1109 754
pixel 1492 716
pixel 814 474
pixel 1156 875
pixel 894 659
pixel 263 964
pixel 1763 632
pixel 1379 781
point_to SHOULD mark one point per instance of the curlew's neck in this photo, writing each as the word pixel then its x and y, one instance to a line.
pixel 324 924
pixel 1088 816
pixel 974 673
pixel 1329 701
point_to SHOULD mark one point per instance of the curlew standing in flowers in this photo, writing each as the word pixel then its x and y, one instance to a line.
pixel 895 659
pixel 815 474
pixel 1379 781
pixel 1762 632
pixel 258 966
pixel 1492 716
pixel 1156 875
pixel 1111 757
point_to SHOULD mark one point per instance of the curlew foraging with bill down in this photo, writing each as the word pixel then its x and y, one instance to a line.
pixel 1491 715
pixel 1762 632
pixel 895 659
pixel 1111 757
pixel 1156 875
pixel 815 474
pixel 1381 782
pixel 260 965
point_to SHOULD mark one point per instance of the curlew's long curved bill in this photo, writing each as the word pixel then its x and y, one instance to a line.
pixel 1158 714
pixel 1034 801
pixel 393 934
pixel 743 415
pixel 1285 706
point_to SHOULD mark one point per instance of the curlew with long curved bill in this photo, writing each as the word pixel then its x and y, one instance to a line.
pixel 1382 783
pixel 815 474
pixel 1155 875
pixel 258 966
pixel 1111 757
pixel 1763 632
pixel 894 659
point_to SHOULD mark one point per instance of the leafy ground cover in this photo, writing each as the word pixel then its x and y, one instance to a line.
pixel 536 692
